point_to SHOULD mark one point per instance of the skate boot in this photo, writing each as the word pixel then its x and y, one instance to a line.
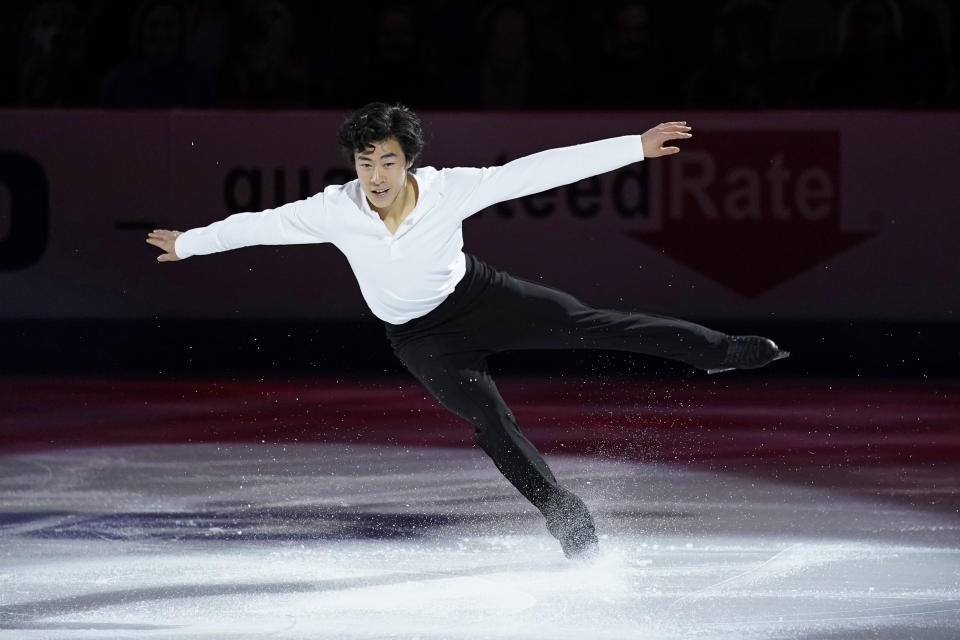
pixel 570 522
pixel 749 352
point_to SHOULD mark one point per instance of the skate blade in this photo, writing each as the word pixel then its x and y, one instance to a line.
pixel 712 371
pixel 780 356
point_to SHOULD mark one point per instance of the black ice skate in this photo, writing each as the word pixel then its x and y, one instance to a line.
pixel 570 522
pixel 749 352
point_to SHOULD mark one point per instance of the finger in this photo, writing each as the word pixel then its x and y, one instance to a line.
pixel 669 150
pixel 161 244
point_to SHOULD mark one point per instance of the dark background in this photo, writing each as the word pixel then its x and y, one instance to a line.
pixel 480 55
pixel 537 55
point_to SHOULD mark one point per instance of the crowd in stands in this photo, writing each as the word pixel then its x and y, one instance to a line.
pixel 472 54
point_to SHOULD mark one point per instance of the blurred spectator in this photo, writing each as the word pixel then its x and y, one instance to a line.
pixel 206 34
pixel 332 79
pixel 872 68
pixel 737 73
pixel 550 26
pixel 156 73
pixel 510 73
pixel 395 62
pixel 803 47
pixel 928 42
pixel 629 71
pixel 449 36
pixel 266 67
pixel 52 69
pixel 481 53
pixel 892 54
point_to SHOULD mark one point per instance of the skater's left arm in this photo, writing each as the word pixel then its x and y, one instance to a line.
pixel 556 167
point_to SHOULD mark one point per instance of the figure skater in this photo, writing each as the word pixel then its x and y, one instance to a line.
pixel 400 227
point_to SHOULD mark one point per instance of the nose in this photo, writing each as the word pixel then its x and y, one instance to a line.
pixel 376 175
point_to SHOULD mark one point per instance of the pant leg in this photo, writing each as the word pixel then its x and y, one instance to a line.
pixel 461 382
pixel 525 315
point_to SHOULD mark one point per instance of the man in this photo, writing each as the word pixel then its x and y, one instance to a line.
pixel 400 228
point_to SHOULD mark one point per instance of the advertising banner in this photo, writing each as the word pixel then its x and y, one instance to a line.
pixel 772 215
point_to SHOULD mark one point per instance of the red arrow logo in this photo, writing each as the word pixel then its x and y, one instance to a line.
pixel 753 209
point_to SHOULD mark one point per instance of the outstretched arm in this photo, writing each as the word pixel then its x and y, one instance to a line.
pixel 300 222
pixel 556 167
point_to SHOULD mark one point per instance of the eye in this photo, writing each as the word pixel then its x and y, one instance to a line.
pixel 390 164
pixel 365 166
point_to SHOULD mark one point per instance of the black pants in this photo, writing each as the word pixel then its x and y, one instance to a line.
pixel 491 311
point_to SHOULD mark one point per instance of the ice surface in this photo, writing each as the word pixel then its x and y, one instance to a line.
pixel 362 541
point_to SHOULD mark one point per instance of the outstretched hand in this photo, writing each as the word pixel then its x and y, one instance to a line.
pixel 165 240
pixel 654 138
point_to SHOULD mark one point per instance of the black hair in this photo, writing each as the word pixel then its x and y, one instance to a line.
pixel 378 121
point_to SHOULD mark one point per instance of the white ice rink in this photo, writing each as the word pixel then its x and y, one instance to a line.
pixel 342 541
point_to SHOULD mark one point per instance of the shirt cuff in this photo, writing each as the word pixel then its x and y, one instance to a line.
pixel 180 246
pixel 639 147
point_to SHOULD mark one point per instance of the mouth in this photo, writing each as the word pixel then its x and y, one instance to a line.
pixel 379 193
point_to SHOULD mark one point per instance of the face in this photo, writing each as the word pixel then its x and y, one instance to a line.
pixel 382 170
pixel 162 33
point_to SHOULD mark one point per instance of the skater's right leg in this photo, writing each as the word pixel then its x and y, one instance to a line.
pixel 462 384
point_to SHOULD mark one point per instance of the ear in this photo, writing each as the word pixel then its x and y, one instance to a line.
pixel 410 162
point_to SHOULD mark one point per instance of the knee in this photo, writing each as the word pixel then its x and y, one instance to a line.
pixel 491 427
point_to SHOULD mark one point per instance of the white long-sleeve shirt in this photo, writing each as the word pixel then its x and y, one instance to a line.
pixel 407 274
